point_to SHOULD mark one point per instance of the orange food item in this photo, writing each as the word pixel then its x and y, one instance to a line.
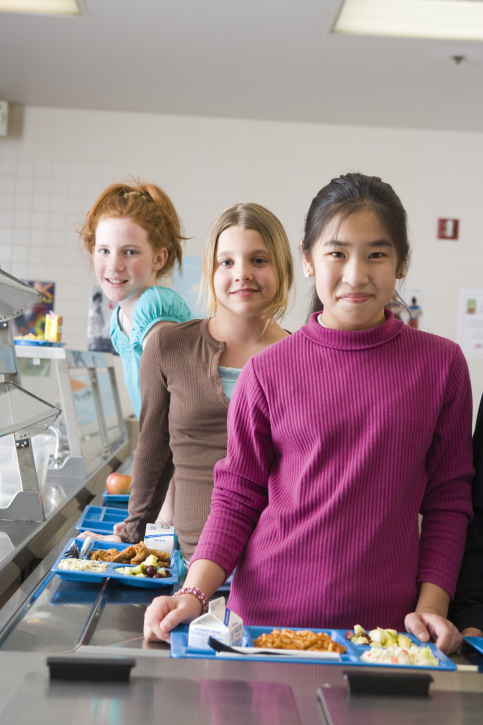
pixel 135 554
pixel 301 640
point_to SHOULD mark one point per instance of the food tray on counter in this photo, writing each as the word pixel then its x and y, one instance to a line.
pixel 352 656
pixel 476 642
pixel 38 343
pixel 69 592
pixel 100 519
pixel 99 577
pixel 115 498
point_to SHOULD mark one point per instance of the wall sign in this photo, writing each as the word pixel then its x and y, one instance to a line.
pixel 448 228
pixel 470 322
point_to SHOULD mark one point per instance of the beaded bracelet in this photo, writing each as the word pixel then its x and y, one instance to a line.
pixel 195 592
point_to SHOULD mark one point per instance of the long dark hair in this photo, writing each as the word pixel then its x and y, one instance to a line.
pixel 351 193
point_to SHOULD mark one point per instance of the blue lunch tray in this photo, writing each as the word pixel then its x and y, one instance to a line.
pixel 133 581
pixel 352 657
pixel 476 642
pixel 69 592
pixel 38 343
pixel 116 498
pixel 99 519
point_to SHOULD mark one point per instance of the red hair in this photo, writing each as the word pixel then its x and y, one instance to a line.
pixel 146 205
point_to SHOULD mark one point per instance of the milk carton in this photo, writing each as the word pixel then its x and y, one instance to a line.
pixel 220 623
pixel 160 536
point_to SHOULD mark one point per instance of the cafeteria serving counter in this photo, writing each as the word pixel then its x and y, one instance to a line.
pixel 47 616
pixel 72 458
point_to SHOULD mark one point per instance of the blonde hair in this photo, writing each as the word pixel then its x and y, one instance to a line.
pixel 146 205
pixel 256 217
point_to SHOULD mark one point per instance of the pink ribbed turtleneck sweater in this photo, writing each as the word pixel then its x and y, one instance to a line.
pixel 337 440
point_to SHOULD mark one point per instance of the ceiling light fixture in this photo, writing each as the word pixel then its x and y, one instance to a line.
pixel 41 7
pixel 442 19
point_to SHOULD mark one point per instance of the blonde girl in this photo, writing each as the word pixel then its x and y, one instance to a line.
pixel 189 371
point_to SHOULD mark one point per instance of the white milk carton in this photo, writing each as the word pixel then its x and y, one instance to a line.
pixel 160 536
pixel 220 623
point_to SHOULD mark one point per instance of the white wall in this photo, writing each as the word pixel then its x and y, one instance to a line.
pixel 55 162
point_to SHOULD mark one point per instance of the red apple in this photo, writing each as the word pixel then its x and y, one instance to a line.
pixel 118 483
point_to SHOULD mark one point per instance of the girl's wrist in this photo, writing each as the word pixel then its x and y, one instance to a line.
pixel 433 600
pixel 430 610
pixel 197 594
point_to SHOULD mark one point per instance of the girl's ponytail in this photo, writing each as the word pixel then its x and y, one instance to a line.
pixel 146 205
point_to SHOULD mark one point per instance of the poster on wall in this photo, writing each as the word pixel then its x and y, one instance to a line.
pixel 33 320
pixel 415 299
pixel 99 321
pixel 470 322
pixel 187 284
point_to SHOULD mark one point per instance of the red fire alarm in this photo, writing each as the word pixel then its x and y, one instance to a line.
pixel 448 228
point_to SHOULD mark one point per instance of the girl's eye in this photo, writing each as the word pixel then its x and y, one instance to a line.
pixel 259 260
pixel 337 255
pixel 377 255
pixel 102 251
pixel 225 262
pixel 131 252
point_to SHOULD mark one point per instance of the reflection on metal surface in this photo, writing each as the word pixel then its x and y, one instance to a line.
pixel 93 618
pixel 91 423
pixel 25 506
pixel 6 546
pixel 15 296
pixel 7 360
pixel 23 413
pixel 441 707
pixel 86 359
pixel 149 701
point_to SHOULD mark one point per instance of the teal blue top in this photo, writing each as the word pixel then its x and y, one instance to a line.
pixel 156 304
pixel 228 376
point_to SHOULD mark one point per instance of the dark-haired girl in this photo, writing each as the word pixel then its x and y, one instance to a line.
pixel 338 437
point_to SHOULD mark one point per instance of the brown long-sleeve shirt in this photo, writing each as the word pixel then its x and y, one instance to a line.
pixel 182 430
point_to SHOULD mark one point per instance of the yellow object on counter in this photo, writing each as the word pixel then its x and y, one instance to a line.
pixel 29 336
pixel 53 327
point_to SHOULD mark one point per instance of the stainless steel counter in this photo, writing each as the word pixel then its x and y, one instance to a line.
pixel 197 691
pixel 21 542
pixel 47 616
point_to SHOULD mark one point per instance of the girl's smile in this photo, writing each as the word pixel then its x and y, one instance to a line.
pixel 354 264
pixel 123 259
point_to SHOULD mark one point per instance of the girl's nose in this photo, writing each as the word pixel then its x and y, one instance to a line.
pixel 116 262
pixel 355 273
pixel 242 271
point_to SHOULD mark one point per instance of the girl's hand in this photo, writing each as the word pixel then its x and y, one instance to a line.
pixel 428 625
pixel 165 613
pixel 472 632
pixel 119 527
pixel 100 537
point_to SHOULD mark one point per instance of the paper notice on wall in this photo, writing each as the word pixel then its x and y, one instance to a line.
pixel 410 306
pixel 99 321
pixel 415 299
pixel 470 322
